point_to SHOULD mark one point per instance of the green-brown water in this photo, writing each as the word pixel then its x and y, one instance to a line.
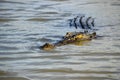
pixel 27 24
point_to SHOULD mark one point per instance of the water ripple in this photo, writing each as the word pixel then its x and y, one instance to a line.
pixel 6 20
pixel 43 19
pixel 13 2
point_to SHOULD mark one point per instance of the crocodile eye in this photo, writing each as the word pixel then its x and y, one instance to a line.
pixel 91 36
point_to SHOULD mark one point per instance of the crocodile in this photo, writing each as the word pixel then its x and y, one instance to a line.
pixel 70 38
pixel 74 37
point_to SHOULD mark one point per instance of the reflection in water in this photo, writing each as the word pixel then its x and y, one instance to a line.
pixel 27 24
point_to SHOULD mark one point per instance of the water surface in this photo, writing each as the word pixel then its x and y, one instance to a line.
pixel 27 24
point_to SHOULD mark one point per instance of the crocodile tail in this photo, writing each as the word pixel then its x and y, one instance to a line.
pixel 75 24
pixel 81 23
pixel 93 23
pixel 87 22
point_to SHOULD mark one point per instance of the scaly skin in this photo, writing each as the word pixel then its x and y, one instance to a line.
pixel 70 38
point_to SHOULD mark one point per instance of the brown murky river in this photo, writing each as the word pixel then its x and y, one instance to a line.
pixel 27 24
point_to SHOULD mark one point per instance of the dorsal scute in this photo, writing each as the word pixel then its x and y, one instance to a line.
pixel 82 22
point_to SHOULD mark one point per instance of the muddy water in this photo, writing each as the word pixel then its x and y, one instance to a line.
pixel 27 24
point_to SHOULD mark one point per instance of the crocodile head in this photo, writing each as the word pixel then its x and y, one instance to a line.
pixel 47 46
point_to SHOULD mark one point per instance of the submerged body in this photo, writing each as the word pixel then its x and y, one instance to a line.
pixel 70 38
